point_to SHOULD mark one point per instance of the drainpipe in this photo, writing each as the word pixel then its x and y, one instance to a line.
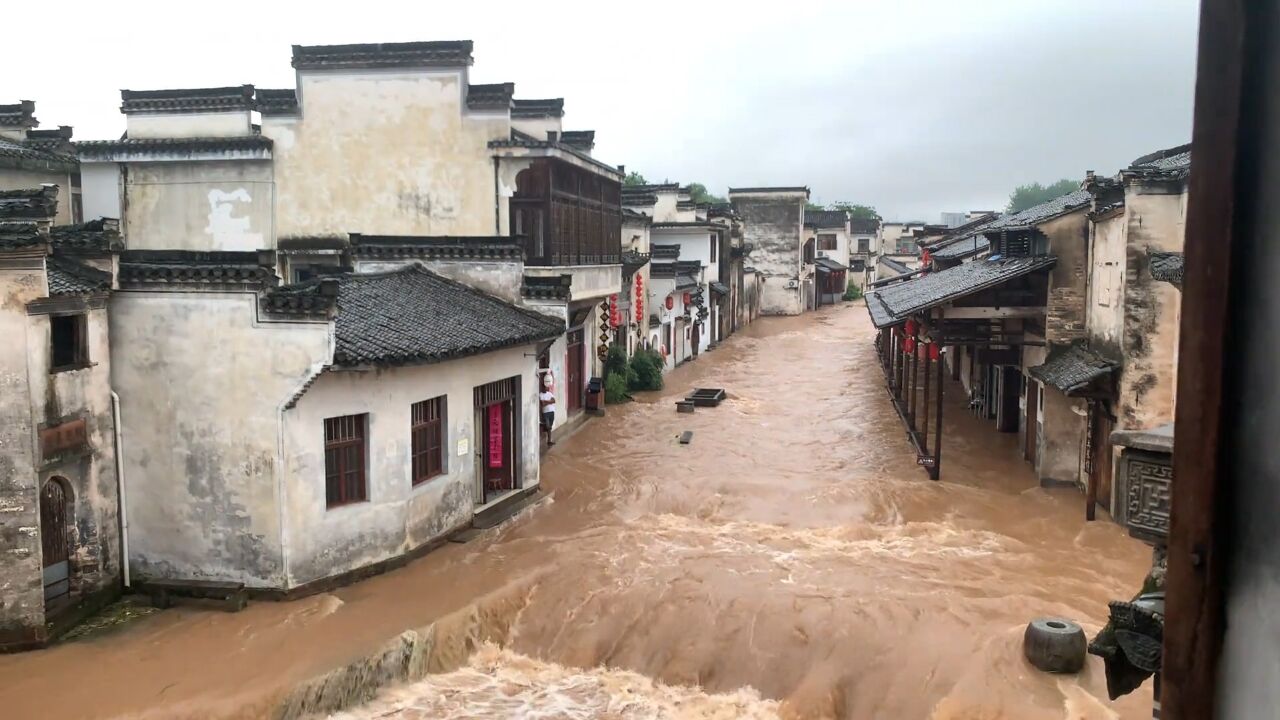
pixel 123 496
pixel 497 200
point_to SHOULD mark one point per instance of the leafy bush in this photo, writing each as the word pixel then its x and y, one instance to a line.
pixel 616 360
pixel 853 292
pixel 615 388
pixel 646 371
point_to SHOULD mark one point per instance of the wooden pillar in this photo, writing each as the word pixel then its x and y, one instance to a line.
pixel 936 470
pixel 924 425
pixel 915 373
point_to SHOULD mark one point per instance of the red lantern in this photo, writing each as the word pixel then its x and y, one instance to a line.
pixel 926 258
pixel 934 351
pixel 909 346
pixel 912 327
pixel 671 302
pixel 686 298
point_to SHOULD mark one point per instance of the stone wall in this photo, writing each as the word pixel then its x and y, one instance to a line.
pixel 21 587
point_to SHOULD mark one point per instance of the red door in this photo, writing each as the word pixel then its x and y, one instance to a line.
pixel 498 475
pixel 574 370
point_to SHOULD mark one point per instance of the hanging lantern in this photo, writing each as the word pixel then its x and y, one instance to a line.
pixel 687 298
pixel 934 351
pixel 926 258
pixel 671 302
pixel 909 346
pixel 912 327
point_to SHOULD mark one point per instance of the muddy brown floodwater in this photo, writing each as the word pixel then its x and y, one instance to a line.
pixel 791 562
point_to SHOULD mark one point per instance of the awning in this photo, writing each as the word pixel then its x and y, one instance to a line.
pixel 895 303
pixel 719 288
pixel 684 282
pixel 1072 368
pixel 826 264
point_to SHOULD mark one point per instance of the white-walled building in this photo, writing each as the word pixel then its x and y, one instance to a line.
pixel 773 219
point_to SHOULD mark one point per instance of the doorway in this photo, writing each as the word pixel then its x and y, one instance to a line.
pixel 1033 421
pixel 497 412
pixel 697 337
pixel 54 540
pixel 1100 465
pixel 574 369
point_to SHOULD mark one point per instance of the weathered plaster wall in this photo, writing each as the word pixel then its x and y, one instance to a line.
pixel 384 152
pixel 590 282
pixel 100 190
pixel 90 473
pixel 774 226
pixel 26 179
pixel 1062 434
pixel 537 127
pixel 201 384
pixel 1156 218
pixel 1106 286
pixel 1066 310
pixel 210 205
pixel 21 586
pixel 502 278
pixel 694 245
pixel 397 516
pixel 188 125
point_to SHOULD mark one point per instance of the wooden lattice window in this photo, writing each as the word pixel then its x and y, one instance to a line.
pixel 827 241
pixel 345 449
pixel 428 438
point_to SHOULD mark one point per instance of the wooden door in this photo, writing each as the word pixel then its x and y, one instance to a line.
pixel 54 542
pixel 574 370
pixel 1100 462
pixel 1033 421
pixel 697 338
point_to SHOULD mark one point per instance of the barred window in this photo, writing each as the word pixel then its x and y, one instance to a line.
pixel 427 434
pixel 345 449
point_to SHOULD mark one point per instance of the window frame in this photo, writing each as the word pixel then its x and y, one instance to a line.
pixel 715 242
pixel 824 238
pixel 79 339
pixel 428 420
pixel 343 433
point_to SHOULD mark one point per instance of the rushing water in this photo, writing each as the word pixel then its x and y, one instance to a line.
pixel 792 561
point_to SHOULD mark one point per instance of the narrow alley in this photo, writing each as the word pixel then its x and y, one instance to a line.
pixel 793 550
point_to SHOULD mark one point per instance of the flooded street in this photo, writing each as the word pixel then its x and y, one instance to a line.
pixel 792 561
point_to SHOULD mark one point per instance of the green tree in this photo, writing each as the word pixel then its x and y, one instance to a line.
pixel 813 206
pixel 856 211
pixel 634 178
pixel 699 194
pixel 1026 196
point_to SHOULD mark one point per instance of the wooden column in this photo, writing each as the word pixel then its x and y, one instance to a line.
pixel 915 375
pixel 924 425
pixel 936 470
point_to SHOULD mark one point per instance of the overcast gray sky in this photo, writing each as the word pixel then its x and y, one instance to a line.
pixel 914 106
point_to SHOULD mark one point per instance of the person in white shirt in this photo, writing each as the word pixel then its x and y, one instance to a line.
pixel 547 399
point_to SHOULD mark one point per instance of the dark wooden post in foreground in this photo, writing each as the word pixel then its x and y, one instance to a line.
pixel 924 423
pixel 936 470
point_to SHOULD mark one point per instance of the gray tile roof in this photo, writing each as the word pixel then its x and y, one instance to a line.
pixel 828 264
pixel 1040 213
pixel 825 218
pixel 33 155
pixel 719 287
pixel 1167 266
pixel 582 139
pixel 1072 367
pixel 15 234
pixel 68 277
pixel 496 96
pixel 864 225
pixel 447 53
pixel 101 235
pixel 548 107
pixel 20 114
pixel 961 248
pixel 187 100
pixel 413 315
pixel 1172 159
pixel 894 264
pixel 38 203
pixel 282 101
pixel 172 146
pixel 911 296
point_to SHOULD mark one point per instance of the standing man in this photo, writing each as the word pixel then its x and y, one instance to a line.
pixel 547 400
